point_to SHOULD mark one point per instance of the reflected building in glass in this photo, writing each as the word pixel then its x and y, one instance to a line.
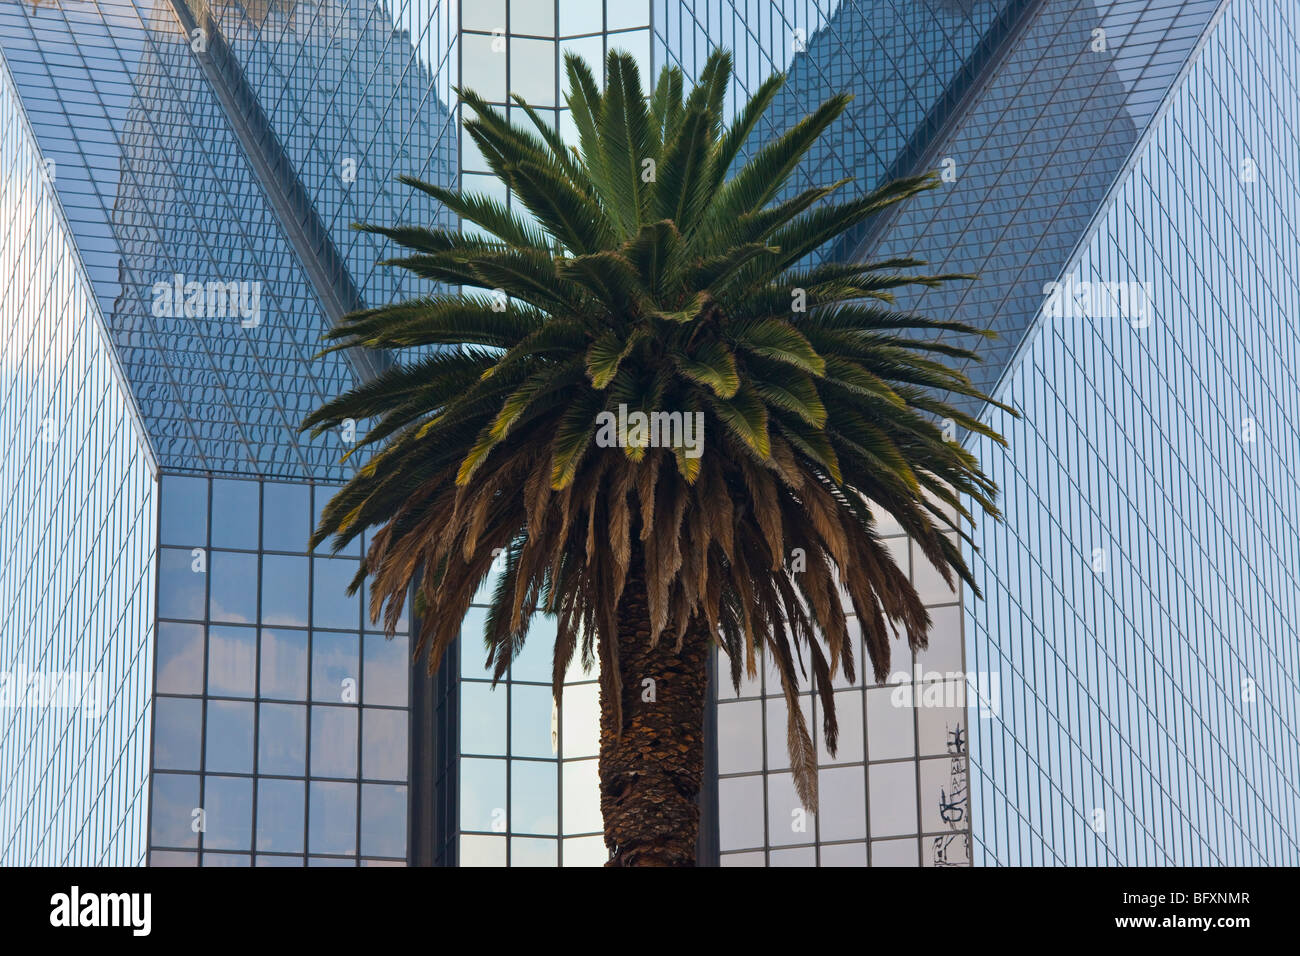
pixel 179 179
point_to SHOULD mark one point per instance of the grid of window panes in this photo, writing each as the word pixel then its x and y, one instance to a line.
pixel 895 791
pixel 519 46
pixel 357 92
pixel 1142 601
pixel 155 186
pixel 529 791
pixel 280 711
pixel 1030 158
pixel 76 544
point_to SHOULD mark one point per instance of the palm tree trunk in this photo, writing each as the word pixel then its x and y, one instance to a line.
pixel 650 773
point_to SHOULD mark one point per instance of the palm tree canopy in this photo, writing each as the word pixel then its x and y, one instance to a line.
pixel 657 270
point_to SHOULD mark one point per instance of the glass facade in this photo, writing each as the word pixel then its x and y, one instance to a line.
pixel 177 205
pixel 156 187
pixel 77 504
pixel 1142 601
pixel 895 792
pixel 279 711
pixel 1030 157
pixel 527 787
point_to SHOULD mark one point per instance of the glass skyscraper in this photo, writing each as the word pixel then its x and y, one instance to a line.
pixel 185 685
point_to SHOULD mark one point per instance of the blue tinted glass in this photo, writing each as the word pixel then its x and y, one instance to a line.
pixel 334 667
pixel 177 733
pixel 179 664
pixel 284 590
pixel 229 737
pixel 280 815
pixel 333 741
pixel 383 751
pixel 232 661
pixel 174 810
pixel 182 584
pixel 235 514
pixel 234 587
pixel 387 670
pixel 332 810
pixel 331 606
pixel 286 517
pixel 282 739
pixel 228 813
pixel 284 664
pixel 184 505
pixel 383 820
pixel 483 718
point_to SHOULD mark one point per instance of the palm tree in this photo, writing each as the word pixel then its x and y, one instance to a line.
pixel 656 274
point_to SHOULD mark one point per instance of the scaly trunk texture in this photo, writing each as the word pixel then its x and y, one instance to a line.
pixel 650 775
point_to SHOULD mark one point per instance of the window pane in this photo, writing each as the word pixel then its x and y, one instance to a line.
pixel 334 670
pixel 483 69
pixel 580 716
pixel 485 15
pixel 333 741
pixel 286 517
pixel 177 733
pixel 527 851
pixel 532 70
pixel 333 818
pixel 788 821
pixel 530 721
pixel 537 657
pixel 581 797
pixel 175 798
pixel 530 16
pixel 284 590
pixel 232 661
pixel 533 795
pixel 282 739
pixel 387 670
pixel 280 815
pixel 229 737
pixel 228 813
pixel 235 514
pixel 482 850
pixel 331 606
pixel 583 16
pixel 181 589
pixel 383 820
pixel 893 799
pixel 482 718
pixel 284 664
pixel 482 794
pixel 234 587
pixel 740 816
pixel 842 804
pixel 179 663
pixel 183 503
pixel 383 755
